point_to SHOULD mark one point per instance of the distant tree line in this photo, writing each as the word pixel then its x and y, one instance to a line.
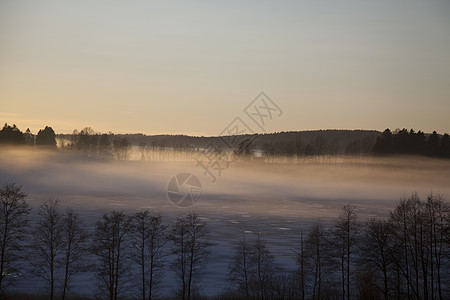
pixel 152 142
pixel 411 142
pixel 11 135
pixel 318 146
pixel 280 143
pixel 95 144
pixel 404 256
pixel 319 143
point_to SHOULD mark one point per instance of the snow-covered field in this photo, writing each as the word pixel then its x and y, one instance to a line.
pixel 277 200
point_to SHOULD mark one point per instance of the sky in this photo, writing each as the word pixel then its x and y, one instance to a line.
pixel 191 67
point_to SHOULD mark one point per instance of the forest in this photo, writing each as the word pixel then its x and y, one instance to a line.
pixel 127 254
pixel 271 145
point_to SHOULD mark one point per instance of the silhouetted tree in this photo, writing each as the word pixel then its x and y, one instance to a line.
pixel 421 229
pixel 149 240
pixel 317 256
pixel 46 137
pixel 262 262
pixel 86 141
pixel 48 244
pixel 245 148
pixel 375 255
pixel 191 249
pixel 121 148
pixel 406 225
pixel 29 137
pixel 74 246
pixel 401 141
pixel 11 135
pixel 345 233
pixel 110 246
pixel 74 138
pixel 301 262
pixel 404 142
pixel 240 269
pixel 438 218
pixel 384 143
pixel 104 145
pixel 418 142
pixel 445 146
pixel 432 145
pixel 253 274
pixel 13 224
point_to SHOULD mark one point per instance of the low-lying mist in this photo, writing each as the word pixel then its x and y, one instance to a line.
pixel 305 189
pixel 277 199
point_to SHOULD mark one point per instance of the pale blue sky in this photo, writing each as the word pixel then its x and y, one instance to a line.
pixel 192 66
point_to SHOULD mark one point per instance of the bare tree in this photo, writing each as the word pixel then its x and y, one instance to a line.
pixel 421 229
pixel 48 243
pixel 239 269
pixel 406 225
pixel 264 268
pixel 13 224
pixel 438 214
pixel 301 262
pixel 345 234
pixel 191 249
pixel 375 254
pixel 399 221
pixel 253 273
pixel 317 258
pixel 149 240
pixel 109 245
pixel 74 239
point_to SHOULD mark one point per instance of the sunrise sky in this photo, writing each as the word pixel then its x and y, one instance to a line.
pixel 191 67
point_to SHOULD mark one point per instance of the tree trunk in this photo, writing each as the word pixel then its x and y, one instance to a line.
pixel 116 283
pixel 343 274
pixel 348 270
pixel 191 265
pixel 66 275
pixel 150 287
pixel 247 294
pixel 143 265
pixel 2 262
